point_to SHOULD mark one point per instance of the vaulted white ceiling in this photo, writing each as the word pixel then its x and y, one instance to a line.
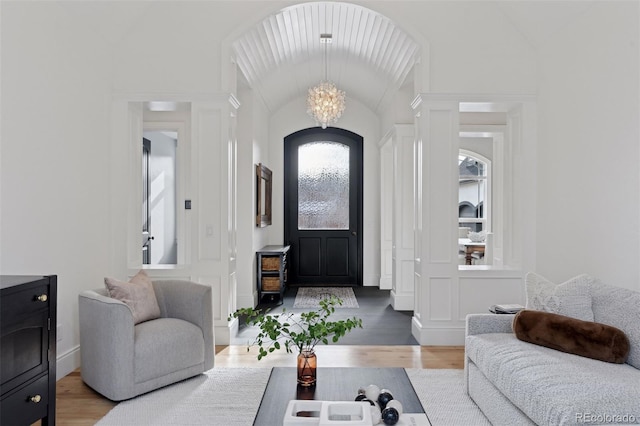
pixel 369 57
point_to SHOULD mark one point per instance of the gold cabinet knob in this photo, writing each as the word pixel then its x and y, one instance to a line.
pixel 35 399
pixel 42 298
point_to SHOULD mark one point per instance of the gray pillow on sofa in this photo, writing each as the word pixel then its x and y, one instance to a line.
pixel 571 298
pixel 137 294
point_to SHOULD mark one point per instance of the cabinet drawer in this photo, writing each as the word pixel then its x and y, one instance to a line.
pixel 21 408
pixel 270 284
pixel 16 304
pixel 271 263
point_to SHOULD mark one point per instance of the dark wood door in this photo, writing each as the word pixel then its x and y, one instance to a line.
pixel 323 206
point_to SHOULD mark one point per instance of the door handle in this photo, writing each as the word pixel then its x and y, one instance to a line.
pixel 146 243
pixel 354 233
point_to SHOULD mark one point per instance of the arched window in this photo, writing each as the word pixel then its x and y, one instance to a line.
pixel 473 191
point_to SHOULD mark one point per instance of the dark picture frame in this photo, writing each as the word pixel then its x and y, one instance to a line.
pixel 263 195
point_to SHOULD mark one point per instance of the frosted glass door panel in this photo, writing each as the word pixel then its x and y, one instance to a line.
pixel 323 186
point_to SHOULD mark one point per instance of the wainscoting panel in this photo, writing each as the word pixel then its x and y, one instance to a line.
pixel 419 301
pixel 220 291
pixel 440 292
pixel 442 130
pixel 208 124
pixel 387 167
pixel 386 265
pixel 403 294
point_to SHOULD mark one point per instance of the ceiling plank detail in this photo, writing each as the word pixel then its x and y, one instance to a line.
pixel 285 48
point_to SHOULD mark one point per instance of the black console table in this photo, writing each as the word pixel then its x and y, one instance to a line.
pixel 28 349
pixel 272 271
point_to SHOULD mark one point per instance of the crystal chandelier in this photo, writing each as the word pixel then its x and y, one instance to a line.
pixel 325 102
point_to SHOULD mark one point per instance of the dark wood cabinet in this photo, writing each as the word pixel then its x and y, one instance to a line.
pixel 28 349
pixel 272 270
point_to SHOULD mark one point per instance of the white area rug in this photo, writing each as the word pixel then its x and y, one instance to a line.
pixel 231 397
pixel 443 398
pixel 310 297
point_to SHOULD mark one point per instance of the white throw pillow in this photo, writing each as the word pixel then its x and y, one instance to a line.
pixel 571 298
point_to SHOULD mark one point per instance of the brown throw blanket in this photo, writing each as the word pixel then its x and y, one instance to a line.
pixel 589 339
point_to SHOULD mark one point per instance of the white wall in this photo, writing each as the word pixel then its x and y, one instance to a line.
pixel 474 47
pixel 399 110
pixel 588 188
pixel 54 172
pixel 482 146
pixel 358 119
pixel 253 148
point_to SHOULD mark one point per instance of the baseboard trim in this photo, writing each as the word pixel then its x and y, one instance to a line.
pixel 371 280
pixel 222 333
pixel 401 302
pixel 247 301
pixel 385 283
pixel 437 336
pixel 67 362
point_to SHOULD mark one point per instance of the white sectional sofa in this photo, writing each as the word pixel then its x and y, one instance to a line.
pixel 519 383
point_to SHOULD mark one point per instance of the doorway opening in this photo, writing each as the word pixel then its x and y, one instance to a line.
pixel 159 204
pixel 323 206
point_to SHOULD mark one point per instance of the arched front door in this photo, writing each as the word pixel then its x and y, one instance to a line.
pixel 323 206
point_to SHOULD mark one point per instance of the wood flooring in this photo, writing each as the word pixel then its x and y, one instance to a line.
pixel 79 405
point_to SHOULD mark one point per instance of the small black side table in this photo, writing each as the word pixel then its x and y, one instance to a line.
pixel 272 271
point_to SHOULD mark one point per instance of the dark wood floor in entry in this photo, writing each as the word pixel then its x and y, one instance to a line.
pixel 382 325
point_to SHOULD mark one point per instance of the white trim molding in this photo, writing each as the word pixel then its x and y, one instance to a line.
pixel 67 362
pixel 444 292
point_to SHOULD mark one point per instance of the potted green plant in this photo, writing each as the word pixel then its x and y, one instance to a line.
pixel 299 331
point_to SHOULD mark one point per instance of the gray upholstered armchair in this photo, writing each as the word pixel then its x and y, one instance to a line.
pixel 121 360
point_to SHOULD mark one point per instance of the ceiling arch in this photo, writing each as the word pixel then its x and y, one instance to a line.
pixel 369 57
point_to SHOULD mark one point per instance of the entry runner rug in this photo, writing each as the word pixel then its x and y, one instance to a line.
pixel 310 297
pixel 231 397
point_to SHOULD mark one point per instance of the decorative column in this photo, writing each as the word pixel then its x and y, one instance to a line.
pixel 213 249
pixel 396 256
pixel 436 319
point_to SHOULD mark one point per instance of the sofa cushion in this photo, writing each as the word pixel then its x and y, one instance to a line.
pixel 137 294
pixel 620 308
pixel 571 298
pixel 164 346
pixel 553 387
pixel 589 339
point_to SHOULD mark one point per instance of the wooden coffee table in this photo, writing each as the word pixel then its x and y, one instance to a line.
pixel 334 384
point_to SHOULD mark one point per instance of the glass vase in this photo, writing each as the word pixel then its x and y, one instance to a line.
pixel 307 366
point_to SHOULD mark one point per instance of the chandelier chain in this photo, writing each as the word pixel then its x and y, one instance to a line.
pixel 325 102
